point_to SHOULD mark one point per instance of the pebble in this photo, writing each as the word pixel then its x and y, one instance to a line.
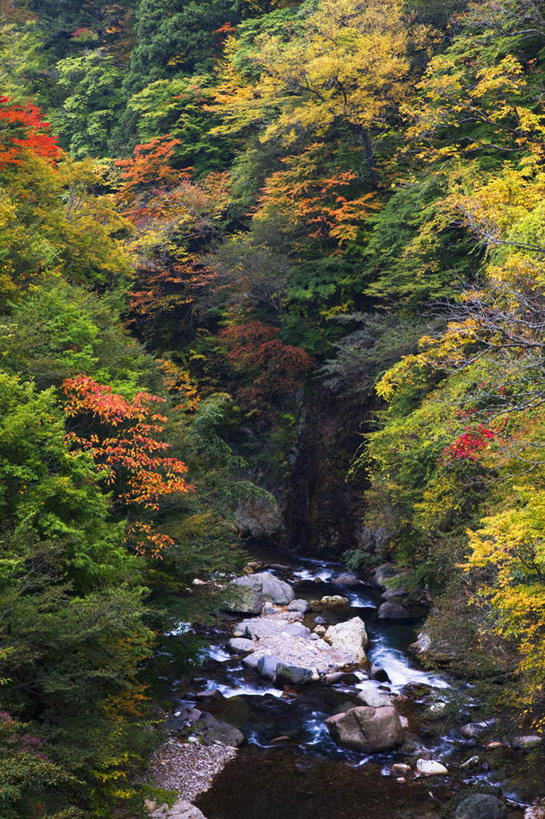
pixel 473 760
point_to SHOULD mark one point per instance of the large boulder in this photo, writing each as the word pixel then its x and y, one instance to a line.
pixel 259 516
pixel 267 666
pixel 294 675
pixel 349 637
pixel 212 730
pixel 384 573
pixel 393 610
pixel 481 806
pixel 370 730
pixel 346 579
pixel 253 590
pixel 240 645
pixel 333 601
pixel 370 695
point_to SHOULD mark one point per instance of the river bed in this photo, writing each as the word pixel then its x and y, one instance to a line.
pixel 290 766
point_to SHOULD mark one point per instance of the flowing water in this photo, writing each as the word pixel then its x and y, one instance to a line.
pixel 290 767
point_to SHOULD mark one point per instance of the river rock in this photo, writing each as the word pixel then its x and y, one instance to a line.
pixel 320 630
pixel 346 579
pixel 534 812
pixel 370 695
pixel 481 806
pixel 240 645
pixel 401 768
pixel 299 605
pixel 297 630
pixel 430 767
pixel 267 666
pixel 349 637
pixel 379 674
pixel 253 590
pixel 212 730
pixel 393 610
pixel 250 661
pixel 294 675
pixel 384 573
pixel 471 729
pixel 370 730
pixel 334 601
pixel 526 743
pixel 181 809
pixel 268 608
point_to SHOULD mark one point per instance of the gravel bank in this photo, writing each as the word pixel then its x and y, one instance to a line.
pixel 188 768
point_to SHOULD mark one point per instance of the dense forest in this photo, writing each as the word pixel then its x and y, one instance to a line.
pixel 268 268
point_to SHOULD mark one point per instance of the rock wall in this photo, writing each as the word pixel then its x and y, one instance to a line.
pixel 324 510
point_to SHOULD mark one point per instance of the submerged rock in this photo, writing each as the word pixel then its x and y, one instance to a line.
pixel 350 637
pixel 481 806
pixel 525 743
pixel 371 730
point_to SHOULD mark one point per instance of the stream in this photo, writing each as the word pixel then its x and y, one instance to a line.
pixel 290 766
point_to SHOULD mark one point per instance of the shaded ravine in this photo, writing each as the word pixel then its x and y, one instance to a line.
pixel 291 766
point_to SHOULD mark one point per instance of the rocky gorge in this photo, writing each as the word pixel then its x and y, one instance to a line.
pixel 308 702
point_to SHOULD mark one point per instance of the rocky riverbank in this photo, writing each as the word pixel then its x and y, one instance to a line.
pixel 303 678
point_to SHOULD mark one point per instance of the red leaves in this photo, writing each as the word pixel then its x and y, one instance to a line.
pixel 22 129
pixel 122 437
pixel 274 367
pixel 469 444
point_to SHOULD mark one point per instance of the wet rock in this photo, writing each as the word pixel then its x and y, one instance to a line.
pixel 250 661
pixel 346 579
pixel 299 605
pixel 370 695
pixel 401 768
pixel 481 806
pixel 320 621
pixel 393 610
pixel 240 645
pixel 334 601
pixel 209 694
pixel 379 674
pixel 181 809
pixel 430 767
pixel 344 677
pixel 370 730
pixel 526 743
pixel 213 730
pixel 294 675
pixel 349 637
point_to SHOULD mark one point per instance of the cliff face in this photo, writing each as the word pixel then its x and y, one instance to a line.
pixel 324 510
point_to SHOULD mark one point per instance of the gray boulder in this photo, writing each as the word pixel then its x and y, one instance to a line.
pixel 481 806
pixel 212 730
pixel 384 573
pixel 253 590
pixel 393 610
pixel 240 645
pixel 370 730
pixel 267 666
pixel 273 589
pixel 299 605
pixel 259 516
pixel 349 637
pixel 294 675
pixel 526 743
pixel 370 695
pixel 346 579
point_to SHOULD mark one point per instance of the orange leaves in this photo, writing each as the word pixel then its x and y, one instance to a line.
pixel 23 129
pixel 274 368
pixel 122 437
